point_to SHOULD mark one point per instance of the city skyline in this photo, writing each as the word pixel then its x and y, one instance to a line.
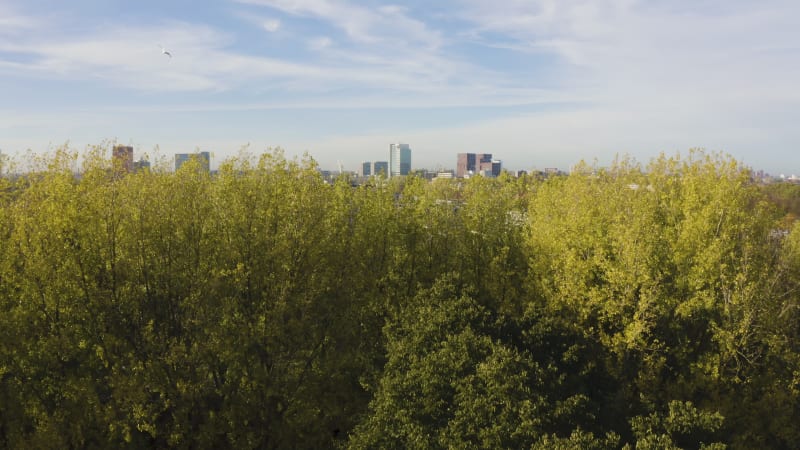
pixel 545 84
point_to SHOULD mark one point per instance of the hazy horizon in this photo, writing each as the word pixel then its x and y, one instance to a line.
pixel 536 83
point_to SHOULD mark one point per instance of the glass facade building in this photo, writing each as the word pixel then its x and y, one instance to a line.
pixel 399 159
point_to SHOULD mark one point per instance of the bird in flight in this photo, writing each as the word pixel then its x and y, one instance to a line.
pixel 164 51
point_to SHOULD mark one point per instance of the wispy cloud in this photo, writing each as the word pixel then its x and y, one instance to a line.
pixel 637 47
pixel 389 53
pixel 383 39
pixel 320 43
pixel 120 55
pixel 389 44
pixel 360 23
pixel 266 23
pixel 202 60
pixel 12 21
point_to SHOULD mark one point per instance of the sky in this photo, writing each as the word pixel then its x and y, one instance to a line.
pixel 537 83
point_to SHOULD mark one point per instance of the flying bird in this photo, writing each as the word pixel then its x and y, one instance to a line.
pixel 164 51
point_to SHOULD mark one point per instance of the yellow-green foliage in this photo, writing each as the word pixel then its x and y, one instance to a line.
pixel 646 306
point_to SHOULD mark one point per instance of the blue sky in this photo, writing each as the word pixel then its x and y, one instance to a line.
pixel 538 83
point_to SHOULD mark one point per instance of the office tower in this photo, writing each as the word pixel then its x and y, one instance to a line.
pixel 123 158
pixel 399 159
pixel 203 157
pixel 471 163
pixel 483 164
pixel 497 167
pixel 381 168
pixel 465 164
pixel 366 169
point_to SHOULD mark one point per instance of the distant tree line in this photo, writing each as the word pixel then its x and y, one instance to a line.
pixel 637 307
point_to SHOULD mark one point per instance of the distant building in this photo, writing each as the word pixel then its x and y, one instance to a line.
pixel 443 175
pixel 123 158
pixel 366 169
pixel 141 164
pixel 380 168
pixel 487 166
pixel 465 164
pixel 497 167
pixel 203 157
pixel 399 159
pixel 551 171
pixel 472 163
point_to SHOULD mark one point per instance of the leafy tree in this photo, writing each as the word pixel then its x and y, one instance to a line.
pixel 633 305
pixel 457 377
pixel 684 426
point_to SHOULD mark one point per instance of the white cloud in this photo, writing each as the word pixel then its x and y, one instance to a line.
pixel 320 43
pixel 384 44
pixel 268 24
pixel 735 61
pixel 122 55
pixel 11 21
pixel 362 24
pixel 390 51
pixel 624 41
pixel 271 25
pixel 201 61
pixel 205 59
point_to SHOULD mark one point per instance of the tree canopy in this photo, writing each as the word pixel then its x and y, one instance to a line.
pixel 632 306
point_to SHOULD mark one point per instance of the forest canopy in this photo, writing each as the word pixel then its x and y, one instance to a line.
pixel 630 306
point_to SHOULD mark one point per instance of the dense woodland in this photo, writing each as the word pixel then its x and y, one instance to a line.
pixel 635 306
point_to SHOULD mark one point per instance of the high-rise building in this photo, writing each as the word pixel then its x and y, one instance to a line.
pixel 204 158
pixel 471 163
pixel 465 164
pixel 366 169
pixel 399 159
pixel 484 164
pixel 123 158
pixel 497 167
pixel 381 168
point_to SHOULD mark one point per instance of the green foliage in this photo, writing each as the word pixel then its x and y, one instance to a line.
pixel 461 376
pixel 263 308
pixel 786 196
pixel 684 426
